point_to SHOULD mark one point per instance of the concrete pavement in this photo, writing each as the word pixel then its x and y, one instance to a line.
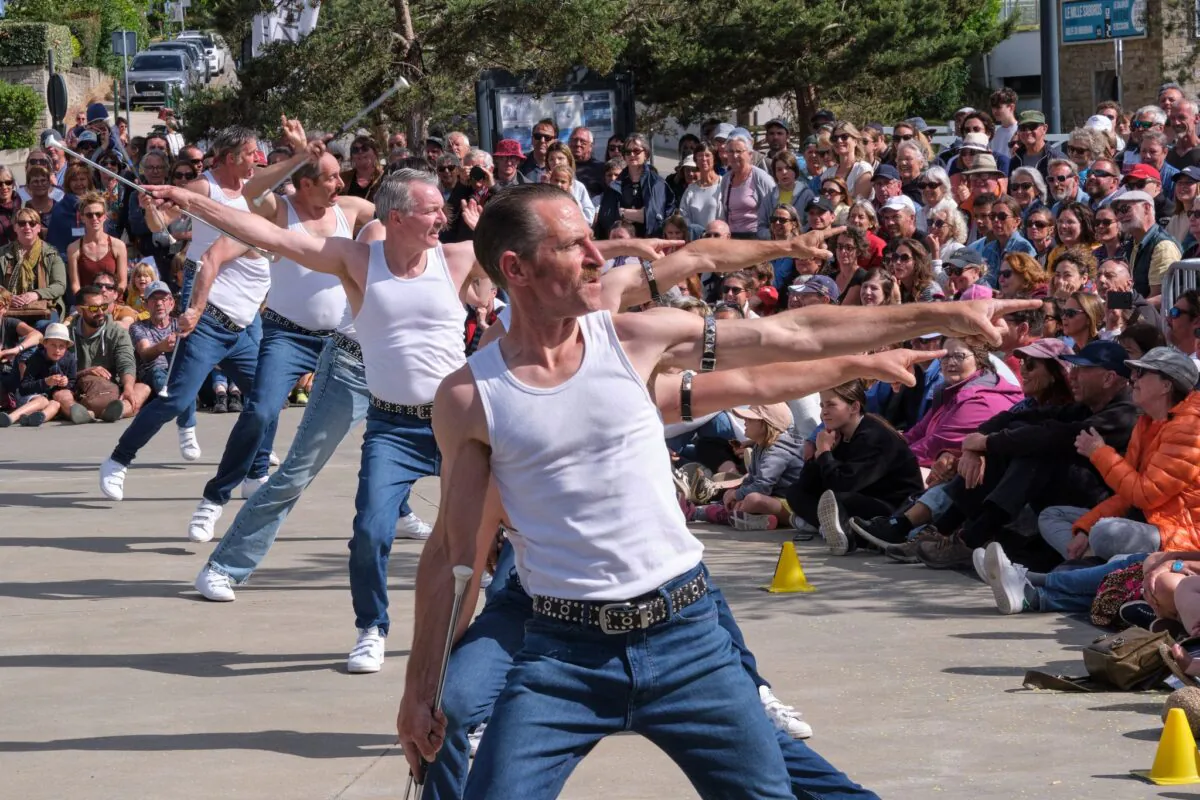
pixel 117 681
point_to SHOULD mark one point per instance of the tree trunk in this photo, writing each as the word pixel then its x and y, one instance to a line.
pixel 806 105
pixel 408 54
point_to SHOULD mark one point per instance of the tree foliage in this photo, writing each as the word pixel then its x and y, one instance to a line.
pixel 91 21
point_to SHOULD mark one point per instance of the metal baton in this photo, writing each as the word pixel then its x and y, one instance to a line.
pixel 55 142
pixel 397 86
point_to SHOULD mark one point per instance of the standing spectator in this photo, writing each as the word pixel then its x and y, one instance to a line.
pixel 1145 120
pixel 1004 112
pixel 1005 218
pixel 534 166
pixel 105 385
pixel 588 169
pixel 96 251
pixel 32 271
pixel 508 158
pixel 638 195
pixel 65 225
pixel 1186 152
pixel 1021 276
pixel 850 160
pixel 9 203
pixel 46 377
pixel 776 133
pixel 1063 183
pixel 41 200
pixel 743 188
pixel 1074 269
pixel 365 173
pixel 558 156
pixel 789 189
pixel 1032 150
pixel 701 201
pixel 1153 248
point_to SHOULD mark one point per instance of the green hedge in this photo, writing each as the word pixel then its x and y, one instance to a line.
pixel 86 28
pixel 20 116
pixel 24 43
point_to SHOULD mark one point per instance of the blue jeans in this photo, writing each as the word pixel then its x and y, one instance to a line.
pixel 337 404
pixel 679 684
pixel 479 668
pixel 197 353
pixel 397 450
pixel 1075 589
pixel 719 427
pixel 156 379
pixel 284 356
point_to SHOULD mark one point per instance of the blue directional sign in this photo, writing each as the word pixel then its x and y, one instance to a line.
pixel 1100 20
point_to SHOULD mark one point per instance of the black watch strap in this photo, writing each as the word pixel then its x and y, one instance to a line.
pixel 655 295
pixel 708 358
pixel 685 395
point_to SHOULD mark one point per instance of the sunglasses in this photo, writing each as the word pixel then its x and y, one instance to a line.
pixel 94 309
pixel 929 186
pixel 1021 187
pixel 958 270
pixel 1006 273
pixel 184 176
pixel 840 137
pixel 37 162
pixel 903 137
pixel 1077 150
pixel 108 287
pixel 780 220
pixel 1142 125
pixel 634 151
pixel 1039 224
pixel 938 223
pixel 543 137
pixel 1059 178
pixel 359 149
pixel 1176 312
pixel 1193 214
pixel 93 214
pixel 733 289
pixel 1137 184
pixel 903 259
pixel 999 217
pixel 833 192
pixel 1029 127
pixel 446 168
pixel 1137 373
pixel 1071 313
pixel 26 223
pixel 9 182
pixel 615 146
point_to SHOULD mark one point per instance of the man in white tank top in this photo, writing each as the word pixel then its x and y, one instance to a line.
pixel 624 636
pixel 221 324
pixel 303 309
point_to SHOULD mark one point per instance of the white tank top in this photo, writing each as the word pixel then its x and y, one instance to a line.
pixel 313 300
pixel 241 284
pixel 586 481
pixel 346 325
pixel 410 329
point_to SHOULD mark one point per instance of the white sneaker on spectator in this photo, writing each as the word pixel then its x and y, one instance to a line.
pixel 784 718
pixel 214 586
pixel 112 480
pixel 475 737
pixel 189 447
pixel 978 560
pixel 830 518
pixel 367 655
pixel 273 459
pixel 204 521
pixel 1006 579
pixel 413 527
pixel 252 485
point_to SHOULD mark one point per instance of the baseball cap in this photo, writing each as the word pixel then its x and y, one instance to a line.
pixel 977 142
pixel 820 284
pixel 886 172
pixel 964 257
pixel 87 137
pixel 739 131
pixel 812 139
pixel 1172 364
pixel 154 288
pixel 1099 122
pixel 779 123
pixel 823 114
pixel 819 202
pixel 1192 173
pixel 964 110
pixel 1142 172
pixel 689 162
pixel 977 291
pixel 436 141
pixel 918 123
pixel 723 131
pixel 1134 196
pixel 57 331
pixel 777 415
pixel 1031 116
pixel 900 202
pixel 1104 354
pixel 97 112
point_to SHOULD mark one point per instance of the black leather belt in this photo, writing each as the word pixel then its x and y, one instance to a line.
pixel 632 615
pixel 222 319
pixel 420 412
pixel 347 345
pixel 287 324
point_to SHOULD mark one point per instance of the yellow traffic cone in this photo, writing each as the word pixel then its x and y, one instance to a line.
pixel 1175 761
pixel 789 575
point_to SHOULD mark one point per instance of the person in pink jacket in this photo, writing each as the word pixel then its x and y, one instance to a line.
pixel 973 393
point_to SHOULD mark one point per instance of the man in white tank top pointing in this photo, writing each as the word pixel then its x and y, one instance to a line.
pixel 624 635
pixel 221 324
pixel 303 309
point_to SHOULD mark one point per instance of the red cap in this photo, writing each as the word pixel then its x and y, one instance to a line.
pixel 769 297
pixel 1143 172
pixel 508 148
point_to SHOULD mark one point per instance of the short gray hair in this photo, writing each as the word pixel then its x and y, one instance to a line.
pixel 480 158
pixel 737 137
pixel 1039 182
pixel 230 140
pixel 395 191
pixel 1155 136
pixel 918 151
pixel 455 135
pixel 1156 114
pixel 1063 162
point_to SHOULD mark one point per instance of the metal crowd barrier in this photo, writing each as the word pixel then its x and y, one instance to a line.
pixel 1181 276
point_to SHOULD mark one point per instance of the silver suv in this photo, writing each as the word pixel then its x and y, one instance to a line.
pixel 157 75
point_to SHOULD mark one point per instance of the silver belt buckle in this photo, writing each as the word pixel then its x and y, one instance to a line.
pixel 424 412
pixel 642 610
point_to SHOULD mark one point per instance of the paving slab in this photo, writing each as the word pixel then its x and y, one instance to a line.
pixel 117 681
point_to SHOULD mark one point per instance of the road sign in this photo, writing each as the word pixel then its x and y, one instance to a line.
pixel 56 97
pixel 124 43
pixel 1086 21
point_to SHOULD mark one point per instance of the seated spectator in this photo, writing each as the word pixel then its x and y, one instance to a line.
pixel 41 193
pixel 1181 322
pixel 121 314
pixel 1082 318
pixel 813 290
pixel 835 192
pixel 774 465
pixel 1074 226
pixel 1027 186
pixel 1140 338
pixel 861 466
pixel 1110 243
pixel 16 338
pixel 1114 276
pixel 46 376
pixel 1073 272
pixel 33 271
pixel 908 261
pixel 879 288
pixel 964 269
pixel 141 275
pixel 1016 588
pixel 848 249
pixel 1159 476
pixel 1019 458
pixel 65 222
pixel 862 216
pixel 1021 276
pixel 1039 231
pixel 105 384
pixel 1052 318
pixel 972 394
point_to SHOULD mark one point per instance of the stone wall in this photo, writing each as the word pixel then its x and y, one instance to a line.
pixel 83 86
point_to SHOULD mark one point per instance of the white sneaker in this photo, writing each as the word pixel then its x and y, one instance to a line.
pixel 204 521
pixel 367 655
pixel 273 459
pixel 112 479
pixel 831 524
pixel 978 556
pixel 784 718
pixel 214 586
pixel 189 448
pixel 413 527
pixel 1006 579
pixel 252 485
pixel 475 737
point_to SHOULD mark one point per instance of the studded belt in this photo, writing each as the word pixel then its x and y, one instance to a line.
pixel 222 319
pixel 632 615
pixel 347 345
pixel 420 412
pixel 287 324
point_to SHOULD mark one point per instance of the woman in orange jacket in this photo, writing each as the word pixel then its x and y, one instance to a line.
pixel 1159 476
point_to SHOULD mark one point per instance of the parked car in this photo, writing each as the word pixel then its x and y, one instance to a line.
pixel 195 53
pixel 214 46
pixel 156 75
